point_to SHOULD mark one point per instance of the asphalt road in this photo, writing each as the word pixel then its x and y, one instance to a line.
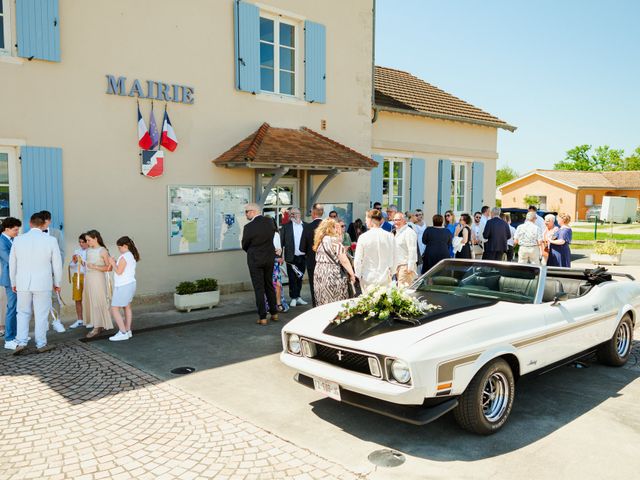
pixel 572 423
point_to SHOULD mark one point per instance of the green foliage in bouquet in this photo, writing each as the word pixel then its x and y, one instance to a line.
pixel 383 303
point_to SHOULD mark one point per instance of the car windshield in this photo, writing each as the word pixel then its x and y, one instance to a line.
pixel 508 283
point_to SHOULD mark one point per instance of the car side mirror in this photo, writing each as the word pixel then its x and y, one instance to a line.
pixel 560 297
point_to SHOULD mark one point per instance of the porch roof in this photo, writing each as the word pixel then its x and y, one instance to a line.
pixel 302 148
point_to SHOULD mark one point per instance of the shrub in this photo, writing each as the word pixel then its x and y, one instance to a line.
pixel 608 247
pixel 186 288
pixel 207 285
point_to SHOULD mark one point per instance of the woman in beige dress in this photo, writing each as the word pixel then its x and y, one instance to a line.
pixel 94 296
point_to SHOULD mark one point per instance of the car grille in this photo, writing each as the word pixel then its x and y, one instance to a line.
pixel 357 362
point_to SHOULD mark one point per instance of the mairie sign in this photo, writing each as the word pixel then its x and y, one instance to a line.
pixel 152 90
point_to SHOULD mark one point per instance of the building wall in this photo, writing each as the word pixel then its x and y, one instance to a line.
pixel 597 198
pixel 409 136
pixel 560 198
pixel 64 105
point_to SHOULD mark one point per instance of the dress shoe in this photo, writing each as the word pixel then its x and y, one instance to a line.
pixel 262 321
pixel 46 348
pixel 20 350
pixel 95 332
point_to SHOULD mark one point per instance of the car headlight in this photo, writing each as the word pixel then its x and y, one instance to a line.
pixel 400 371
pixel 294 344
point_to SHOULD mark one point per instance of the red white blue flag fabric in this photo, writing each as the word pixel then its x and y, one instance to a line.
pixel 144 139
pixel 169 139
pixel 153 130
pixel 152 163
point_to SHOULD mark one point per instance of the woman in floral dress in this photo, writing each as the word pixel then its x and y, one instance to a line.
pixel 330 285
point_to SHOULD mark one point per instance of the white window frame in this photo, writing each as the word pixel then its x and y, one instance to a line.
pixel 15 210
pixel 391 195
pixel 455 180
pixel 278 18
pixel 6 19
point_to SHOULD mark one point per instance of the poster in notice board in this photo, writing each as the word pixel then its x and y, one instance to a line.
pixel 228 216
pixel 190 229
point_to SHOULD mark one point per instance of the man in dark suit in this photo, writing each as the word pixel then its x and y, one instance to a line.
pixel 496 232
pixel 10 228
pixel 290 238
pixel 257 241
pixel 306 244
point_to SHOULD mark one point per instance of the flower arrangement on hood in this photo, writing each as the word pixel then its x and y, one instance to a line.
pixel 382 303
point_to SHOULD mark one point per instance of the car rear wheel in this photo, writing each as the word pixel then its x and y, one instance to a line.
pixel 485 405
pixel 616 350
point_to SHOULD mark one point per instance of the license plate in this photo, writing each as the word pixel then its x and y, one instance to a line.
pixel 330 389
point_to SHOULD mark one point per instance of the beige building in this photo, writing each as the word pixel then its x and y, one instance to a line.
pixel 570 191
pixel 270 101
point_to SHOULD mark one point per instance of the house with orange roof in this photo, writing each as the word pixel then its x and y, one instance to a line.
pixel 570 191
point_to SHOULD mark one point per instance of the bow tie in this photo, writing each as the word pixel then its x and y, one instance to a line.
pixel 46 230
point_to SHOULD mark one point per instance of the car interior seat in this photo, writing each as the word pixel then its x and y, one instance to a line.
pixel 552 287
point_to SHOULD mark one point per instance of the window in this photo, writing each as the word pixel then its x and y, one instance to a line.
pixel 460 187
pixel 5 28
pixel 393 183
pixel 277 56
pixel 8 200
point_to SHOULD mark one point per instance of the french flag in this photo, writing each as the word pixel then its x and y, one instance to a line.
pixel 144 139
pixel 169 139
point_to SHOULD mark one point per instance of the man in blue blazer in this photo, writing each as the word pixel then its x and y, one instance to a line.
pixel 496 232
pixel 10 228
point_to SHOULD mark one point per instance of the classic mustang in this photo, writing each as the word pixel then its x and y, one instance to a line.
pixel 496 322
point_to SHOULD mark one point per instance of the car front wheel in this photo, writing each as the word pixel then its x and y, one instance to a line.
pixel 616 350
pixel 485 405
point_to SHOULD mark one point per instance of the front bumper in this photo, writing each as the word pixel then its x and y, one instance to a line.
pixel 430 410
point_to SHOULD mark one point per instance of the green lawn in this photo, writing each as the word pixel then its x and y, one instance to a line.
pixel 589 246
pixel 604 236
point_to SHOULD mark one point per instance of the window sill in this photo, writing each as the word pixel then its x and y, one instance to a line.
pixel 276 97
pixel 4 58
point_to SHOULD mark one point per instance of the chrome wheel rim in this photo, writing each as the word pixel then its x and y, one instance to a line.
pixel 623 339
pixel 495 396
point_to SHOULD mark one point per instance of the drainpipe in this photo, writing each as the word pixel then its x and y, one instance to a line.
pixel 373 64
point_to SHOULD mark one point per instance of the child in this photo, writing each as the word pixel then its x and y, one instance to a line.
pixel 78 264
pixel 124 286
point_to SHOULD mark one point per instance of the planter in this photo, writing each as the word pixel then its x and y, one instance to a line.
pixel 604 258
pixel 196 300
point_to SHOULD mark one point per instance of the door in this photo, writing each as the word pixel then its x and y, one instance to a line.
pixel 284 195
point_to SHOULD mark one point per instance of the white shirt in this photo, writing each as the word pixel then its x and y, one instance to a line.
pixel 297 235
pixel 513 232
pixel 476 231
pixel 406 248
pixel 129 274
pixel 82 253
pixel 483 223
pixel 373 261
pixel 419 229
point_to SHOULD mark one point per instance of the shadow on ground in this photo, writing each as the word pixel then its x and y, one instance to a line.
pixel 543 404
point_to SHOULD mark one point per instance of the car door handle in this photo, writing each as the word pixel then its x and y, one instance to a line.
pixel 596 308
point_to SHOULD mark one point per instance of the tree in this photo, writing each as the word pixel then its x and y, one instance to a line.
pixel 531 200
pixel 603 158
pixel 577 158
pixel 504 175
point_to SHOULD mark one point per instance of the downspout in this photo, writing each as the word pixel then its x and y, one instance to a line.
pixel 373 65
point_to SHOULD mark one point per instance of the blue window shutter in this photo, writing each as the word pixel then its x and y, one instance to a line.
pixel 315 62
pixel 42 184
pixel 38 29
pixel 376 179
pixel 247 46
pixel 417 183
pixel 477 186
pixel 444 186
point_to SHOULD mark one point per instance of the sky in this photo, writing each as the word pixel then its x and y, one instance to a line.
pixel 565 72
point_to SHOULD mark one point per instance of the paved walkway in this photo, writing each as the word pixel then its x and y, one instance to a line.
pixel 78 413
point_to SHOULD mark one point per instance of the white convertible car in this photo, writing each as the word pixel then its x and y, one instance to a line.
pixel 497 321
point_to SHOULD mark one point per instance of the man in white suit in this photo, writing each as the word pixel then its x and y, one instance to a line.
pixel 33 263
pixel 374 258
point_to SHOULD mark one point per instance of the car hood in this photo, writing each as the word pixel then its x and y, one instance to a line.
pixel 390 336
